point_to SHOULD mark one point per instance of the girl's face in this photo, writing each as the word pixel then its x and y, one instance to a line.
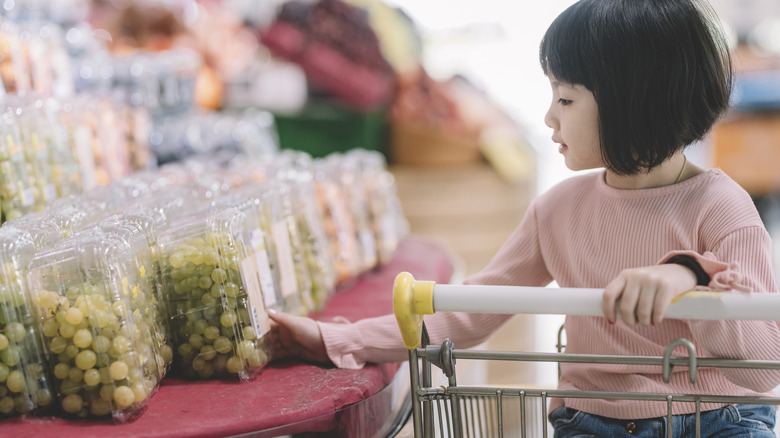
pixel 573 116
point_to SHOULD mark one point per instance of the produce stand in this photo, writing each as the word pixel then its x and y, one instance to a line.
pixel 287 397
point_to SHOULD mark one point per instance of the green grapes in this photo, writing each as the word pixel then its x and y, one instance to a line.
pixel 206 296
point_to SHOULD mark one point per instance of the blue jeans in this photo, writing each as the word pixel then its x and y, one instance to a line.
pixel 730 421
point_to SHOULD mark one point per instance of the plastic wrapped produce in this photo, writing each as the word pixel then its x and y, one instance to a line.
pixel 346 169
pixel 315 243
pixel 151 318
pixel 18 194
pixel 14 62
pixel 24 385
pixel 338 221
pixel 285 246
pixel 251 203
pixel 387 218
pixel 36 148
pixel 101 361
pixel 66 172
pixel 217 313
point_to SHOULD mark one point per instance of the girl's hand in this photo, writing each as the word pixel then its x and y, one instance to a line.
pixel 296 336
pixel 645 293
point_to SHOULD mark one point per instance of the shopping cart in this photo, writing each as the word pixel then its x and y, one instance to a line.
pixel 471 411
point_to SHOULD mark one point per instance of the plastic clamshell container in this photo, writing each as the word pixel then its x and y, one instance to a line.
pixel 18 195
pixel 315 244
pixel 101 362
pixel 339 222
pixel 24 385
pixel 152 318
pixel 249 201
pixel 387 218
pixel 347 171
pixel 43 231
pixel 217 313
pixel 294 285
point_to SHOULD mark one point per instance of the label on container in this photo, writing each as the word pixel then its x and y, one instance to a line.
pixel 263 267
pixel 284 255
pixel 255 303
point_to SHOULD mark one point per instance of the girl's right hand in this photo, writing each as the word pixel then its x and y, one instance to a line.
pixel 296 336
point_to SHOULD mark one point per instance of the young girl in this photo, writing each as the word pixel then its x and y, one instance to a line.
pixel 633 83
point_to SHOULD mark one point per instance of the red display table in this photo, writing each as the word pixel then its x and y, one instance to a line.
pixel 287 397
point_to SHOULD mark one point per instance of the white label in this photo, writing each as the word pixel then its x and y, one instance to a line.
pixel 255 303
pixel 289 284
pixel 263 267
pixel 265 276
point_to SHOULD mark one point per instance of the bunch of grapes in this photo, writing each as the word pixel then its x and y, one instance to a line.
pixel 23 384
pixel 89 308
pixel 214 306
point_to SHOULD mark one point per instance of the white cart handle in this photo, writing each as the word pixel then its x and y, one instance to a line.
pixel 412 299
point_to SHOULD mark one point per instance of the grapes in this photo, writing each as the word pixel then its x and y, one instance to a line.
pixel 124 396
pixel 3 342
pixel 118 370
pixel 15 381
pixel 91 377
pixel 73 316
pixel 86 359
pixel 14 332
pixel 82 338
pixel 207 298
pixel 72 403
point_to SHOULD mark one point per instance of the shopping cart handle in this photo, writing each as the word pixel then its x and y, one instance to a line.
pixel 411 300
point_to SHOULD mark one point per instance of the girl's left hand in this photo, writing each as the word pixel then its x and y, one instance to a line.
pixel 645 293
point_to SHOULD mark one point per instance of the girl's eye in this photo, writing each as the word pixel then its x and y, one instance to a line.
pixel 564 102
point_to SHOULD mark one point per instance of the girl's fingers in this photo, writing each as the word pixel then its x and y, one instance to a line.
pixel 628 302
pixel 609 298
pixel 648 296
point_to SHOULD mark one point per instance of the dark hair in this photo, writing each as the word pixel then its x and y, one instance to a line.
pixel 660 71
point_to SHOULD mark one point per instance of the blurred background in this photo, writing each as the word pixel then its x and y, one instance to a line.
pixel 450 92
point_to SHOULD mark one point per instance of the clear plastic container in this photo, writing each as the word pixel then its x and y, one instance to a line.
pixel 217 313
pixel 74 214
pixel 387 218
pixel 66 173
pixel 24 386
pixel 338 221
pixel 286 247
pixel 259 219
pixel 316 246
pixel 346 168
pixel 36 148
pixel 151 317
pixel 18 194
pixel 101 362
pixel 43 231
pixel 14 62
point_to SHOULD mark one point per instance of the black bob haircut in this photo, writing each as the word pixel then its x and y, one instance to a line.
pixel 660 71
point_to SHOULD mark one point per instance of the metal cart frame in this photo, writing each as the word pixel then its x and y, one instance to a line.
pixel 471 411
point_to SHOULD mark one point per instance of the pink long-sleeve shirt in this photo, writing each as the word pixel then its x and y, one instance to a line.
pixel 582 233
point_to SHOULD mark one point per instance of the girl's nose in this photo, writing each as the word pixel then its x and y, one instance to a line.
pixel 549 118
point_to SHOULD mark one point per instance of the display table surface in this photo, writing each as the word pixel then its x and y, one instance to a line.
pixel 287 396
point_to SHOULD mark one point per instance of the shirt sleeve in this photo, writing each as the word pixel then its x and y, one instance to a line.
pixel 518 262
pixel 740 262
